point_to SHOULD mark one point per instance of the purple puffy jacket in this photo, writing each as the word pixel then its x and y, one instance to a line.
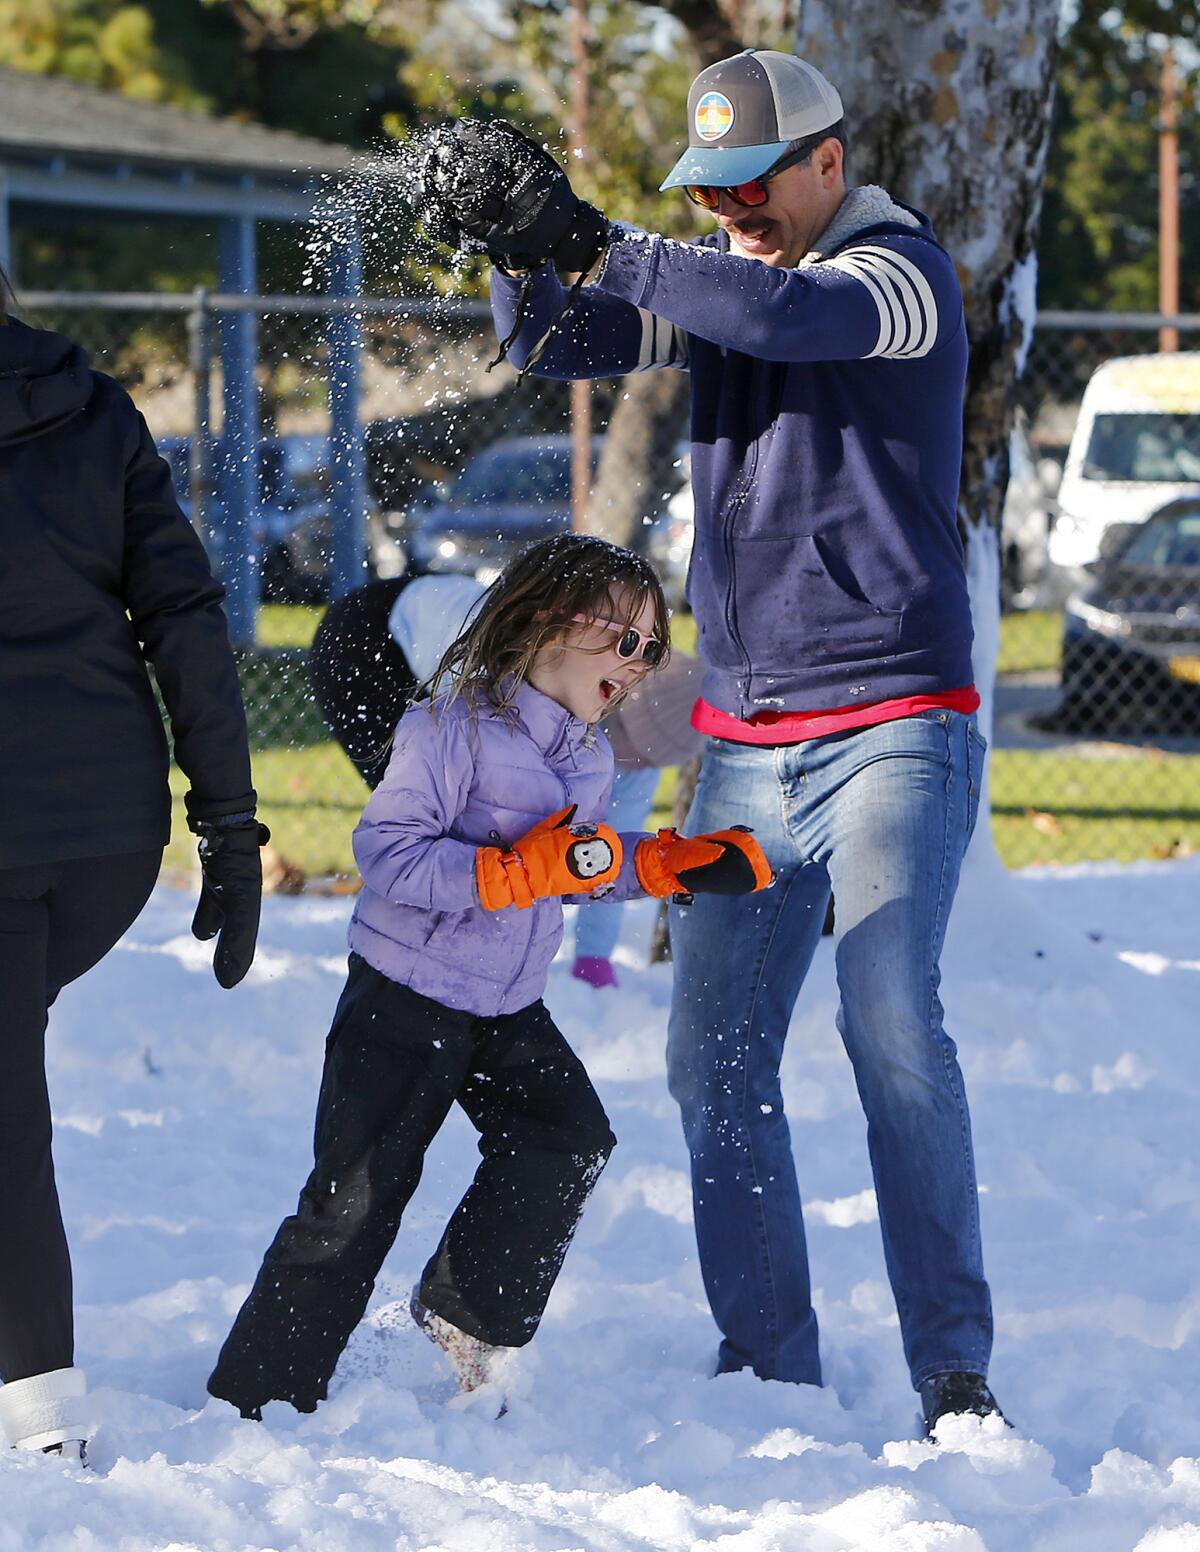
pixel 454 778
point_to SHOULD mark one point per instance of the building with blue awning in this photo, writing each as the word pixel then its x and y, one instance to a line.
pixel 75 148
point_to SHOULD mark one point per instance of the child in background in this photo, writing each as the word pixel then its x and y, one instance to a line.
pixel 652 727
pixel 491 813
pixel 374 649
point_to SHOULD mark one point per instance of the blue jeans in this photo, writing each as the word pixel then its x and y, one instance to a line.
pixel 883 815
pixel 598 925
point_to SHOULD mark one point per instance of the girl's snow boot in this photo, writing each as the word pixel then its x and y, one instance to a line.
pixel 474 1362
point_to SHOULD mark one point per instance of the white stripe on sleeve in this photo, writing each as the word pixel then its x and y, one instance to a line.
pixel 908 318
pixel 663 344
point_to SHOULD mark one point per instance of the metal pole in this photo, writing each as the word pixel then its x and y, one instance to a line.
pixel 5 226
pixel 200 450
pixel 237 263
pixel 581 391
pixel 1168 204
pixel 347 463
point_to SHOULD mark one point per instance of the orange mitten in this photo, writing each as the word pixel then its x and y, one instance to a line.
pixel 725 862
pixel 554 858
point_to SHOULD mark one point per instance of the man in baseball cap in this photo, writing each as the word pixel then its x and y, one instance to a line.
pixel 746 113
pixel 766 154
pixel 822 328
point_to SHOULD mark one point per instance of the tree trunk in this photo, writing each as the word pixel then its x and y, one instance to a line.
pixel 641 445
pixel 948 106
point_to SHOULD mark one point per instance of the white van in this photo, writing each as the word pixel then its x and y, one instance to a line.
pixel 1136 446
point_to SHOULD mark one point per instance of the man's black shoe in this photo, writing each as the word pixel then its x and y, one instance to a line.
pixel 956 1394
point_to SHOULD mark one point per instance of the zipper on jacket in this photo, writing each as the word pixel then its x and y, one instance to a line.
pixel 731 515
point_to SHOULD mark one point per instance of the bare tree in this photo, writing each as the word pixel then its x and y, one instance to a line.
pixel 713 29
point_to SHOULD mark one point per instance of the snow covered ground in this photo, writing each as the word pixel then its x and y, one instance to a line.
pixel 183 1120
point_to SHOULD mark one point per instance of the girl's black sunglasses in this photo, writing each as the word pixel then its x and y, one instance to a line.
pixel 652 650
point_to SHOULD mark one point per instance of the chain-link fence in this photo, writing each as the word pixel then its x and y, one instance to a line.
pixel 1096 751
pixel 1097 735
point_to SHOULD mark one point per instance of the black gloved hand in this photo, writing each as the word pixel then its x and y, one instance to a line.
pixel 231 892
pixel 491 188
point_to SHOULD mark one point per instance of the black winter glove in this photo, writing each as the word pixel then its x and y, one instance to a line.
pixel 231 892
pixel 489 188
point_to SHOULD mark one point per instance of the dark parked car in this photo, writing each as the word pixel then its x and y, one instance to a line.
pixel 1131 640
pixel 513 492
pixel 292 530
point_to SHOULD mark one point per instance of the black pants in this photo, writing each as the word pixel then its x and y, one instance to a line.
pixel 395 1062
pixel 56 921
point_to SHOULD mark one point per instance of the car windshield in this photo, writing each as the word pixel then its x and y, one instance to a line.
pixel 1149 446
pixel 1166 541
pixel 541 475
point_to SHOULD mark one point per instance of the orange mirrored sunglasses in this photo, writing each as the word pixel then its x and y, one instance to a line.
pixel 755 192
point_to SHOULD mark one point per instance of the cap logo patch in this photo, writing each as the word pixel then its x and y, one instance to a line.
pixel 714 116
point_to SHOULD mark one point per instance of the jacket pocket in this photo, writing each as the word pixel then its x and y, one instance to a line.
pixel 806 603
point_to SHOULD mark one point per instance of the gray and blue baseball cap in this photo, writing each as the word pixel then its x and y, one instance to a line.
pixel 745 111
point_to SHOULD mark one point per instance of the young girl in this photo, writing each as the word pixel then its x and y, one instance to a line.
pixel 489 816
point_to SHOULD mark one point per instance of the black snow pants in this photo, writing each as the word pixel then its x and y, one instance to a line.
pixel 395 1062
pixel 56 921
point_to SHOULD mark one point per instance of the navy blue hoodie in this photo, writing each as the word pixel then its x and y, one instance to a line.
pixel 826 423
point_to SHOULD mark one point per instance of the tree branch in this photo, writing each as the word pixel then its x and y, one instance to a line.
pixel 708 28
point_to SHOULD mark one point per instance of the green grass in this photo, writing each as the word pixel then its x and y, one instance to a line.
pixel 311 798
pixel 288 625
pixel 1028 641
pixel 1047 807
pixel 1118 803
pixel 1113 802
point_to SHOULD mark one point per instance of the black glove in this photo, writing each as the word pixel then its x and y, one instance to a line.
pixel 231 891
pixel 489 188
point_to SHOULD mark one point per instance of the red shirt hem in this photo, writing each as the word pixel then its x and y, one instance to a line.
pixel 797 727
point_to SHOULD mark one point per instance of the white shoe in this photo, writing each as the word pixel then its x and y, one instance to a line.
pixel 43 1413
pixel 474 1362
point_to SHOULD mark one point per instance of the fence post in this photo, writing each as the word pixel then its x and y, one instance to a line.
pixel 239 432
pixel 5 225
pixel 347 462
pixel 200 450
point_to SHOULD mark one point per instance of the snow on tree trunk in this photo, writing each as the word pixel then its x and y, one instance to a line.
pixel 948 106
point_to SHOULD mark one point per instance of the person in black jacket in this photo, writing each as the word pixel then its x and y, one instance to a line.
pixel 360 677
pixel 100 573
pixel 374 649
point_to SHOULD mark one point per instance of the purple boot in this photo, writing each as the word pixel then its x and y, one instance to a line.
pixel 595 969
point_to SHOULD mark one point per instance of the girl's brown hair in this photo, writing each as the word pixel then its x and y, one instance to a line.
pixel 542 595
